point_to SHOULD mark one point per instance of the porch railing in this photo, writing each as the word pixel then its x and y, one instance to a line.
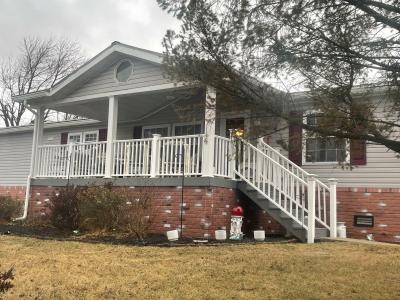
pixel 304 198
pixel 132 157
pixel 73 160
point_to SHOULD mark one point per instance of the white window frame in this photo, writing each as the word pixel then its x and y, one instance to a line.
pixel 304 146
pixel 96 132
pixel 168 126
pixel 74 134
pixel 188 124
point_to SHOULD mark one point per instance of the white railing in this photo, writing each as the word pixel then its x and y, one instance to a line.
pixel 282 160
pixel 323 194
pixel 132 157
pixel 52 161
pixel 223 157
pixel 87 159
pixel 284 188
pixel 179 154
pixel 73 160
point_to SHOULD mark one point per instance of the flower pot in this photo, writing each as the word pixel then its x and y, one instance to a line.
pixel 220 235
pixel 259 235
pixel 173 235
pixel 341 230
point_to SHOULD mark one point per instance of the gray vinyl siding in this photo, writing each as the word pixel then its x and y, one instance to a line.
pixel 382 168
pixel 144 74
pixel 15 158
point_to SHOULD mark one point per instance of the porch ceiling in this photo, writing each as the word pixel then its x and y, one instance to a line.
pixel 131 107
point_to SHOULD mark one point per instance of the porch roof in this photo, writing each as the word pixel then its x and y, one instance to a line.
pixel 109 56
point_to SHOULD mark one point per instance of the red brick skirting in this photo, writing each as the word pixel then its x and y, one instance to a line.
pixel 13 191
pixel 205 209
pixel 382 203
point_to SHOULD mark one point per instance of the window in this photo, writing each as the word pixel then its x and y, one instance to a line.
pixel 124 71
pixel 148 131
pixel 187 129
pixel 90 137
pixel 323 149
pixel 74 138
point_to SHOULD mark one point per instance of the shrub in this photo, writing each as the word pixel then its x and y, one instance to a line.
pixel 64 208
pixel 9 208
pixel 5 280
pixel 100 208
pixel 135 214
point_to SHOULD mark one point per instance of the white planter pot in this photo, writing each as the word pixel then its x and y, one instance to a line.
pixel 259 235
pixel 341 230
pixel 220 235
pixel 173 235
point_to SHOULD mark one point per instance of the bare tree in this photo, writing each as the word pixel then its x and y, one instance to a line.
pixel 39 64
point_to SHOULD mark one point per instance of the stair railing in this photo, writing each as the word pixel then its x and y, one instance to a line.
pixel 325 196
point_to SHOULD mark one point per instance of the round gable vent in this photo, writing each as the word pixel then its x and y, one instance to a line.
pixel 124 71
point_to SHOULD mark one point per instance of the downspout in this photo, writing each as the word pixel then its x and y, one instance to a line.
pixel 29 179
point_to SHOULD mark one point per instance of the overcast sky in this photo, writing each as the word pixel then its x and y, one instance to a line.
pixel 93 23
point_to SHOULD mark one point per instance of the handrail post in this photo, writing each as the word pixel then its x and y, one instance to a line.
pixel 311 208
pixel 332 207
pixel 155 155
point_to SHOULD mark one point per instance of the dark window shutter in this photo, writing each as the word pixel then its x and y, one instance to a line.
pixel 296 139
pixel 358 152
pixel 102 134
pixel 64 138
pixel 137 132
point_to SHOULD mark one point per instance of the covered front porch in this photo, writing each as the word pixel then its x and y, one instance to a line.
pixel 163 133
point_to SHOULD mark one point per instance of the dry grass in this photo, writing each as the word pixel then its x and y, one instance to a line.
pixel 73 270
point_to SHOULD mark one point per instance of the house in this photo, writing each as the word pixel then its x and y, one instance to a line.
pixel 141 130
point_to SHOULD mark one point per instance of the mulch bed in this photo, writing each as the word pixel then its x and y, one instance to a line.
pixel 51 233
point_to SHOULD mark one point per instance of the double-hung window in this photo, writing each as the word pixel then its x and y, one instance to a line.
pixel 148 131
pixel 74 138
pixel 187 129
pixel 90 136
pixel 85 137
pixel 318 149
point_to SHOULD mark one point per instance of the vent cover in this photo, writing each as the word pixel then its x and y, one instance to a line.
pixel 363 221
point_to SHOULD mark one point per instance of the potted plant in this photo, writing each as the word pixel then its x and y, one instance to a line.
pixel 220 234
pixel 259 235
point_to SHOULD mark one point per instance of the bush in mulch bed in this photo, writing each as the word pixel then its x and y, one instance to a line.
pixel 9 208
pixel 101 209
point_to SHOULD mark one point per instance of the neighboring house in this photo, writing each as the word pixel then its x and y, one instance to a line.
pixel 142 130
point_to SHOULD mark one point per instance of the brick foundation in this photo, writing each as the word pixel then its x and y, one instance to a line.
pixel 205 209
pixel 383 204
pixel 13 191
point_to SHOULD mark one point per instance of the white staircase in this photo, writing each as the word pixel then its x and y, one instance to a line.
pixel 301 203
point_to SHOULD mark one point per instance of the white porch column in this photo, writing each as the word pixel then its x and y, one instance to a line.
pixel 311 209
pixel 209 130
pixel 111 134
pixel 332 207
pixel 36 139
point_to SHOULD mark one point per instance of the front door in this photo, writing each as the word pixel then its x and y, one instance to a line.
pixel 234 123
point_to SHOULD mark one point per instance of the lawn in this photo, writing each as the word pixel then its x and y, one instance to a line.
pixel 75 270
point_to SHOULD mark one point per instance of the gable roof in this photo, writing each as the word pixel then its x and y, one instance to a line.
pixel 92 65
